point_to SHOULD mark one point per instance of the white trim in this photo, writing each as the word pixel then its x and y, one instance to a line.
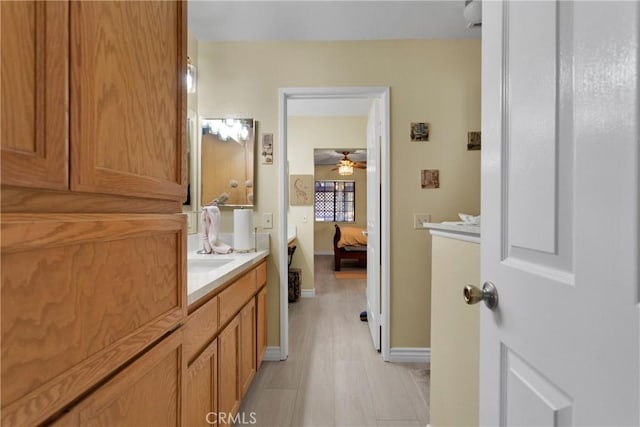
pixel 272 354
pixel 410 355
pixel 383 94
pixel 308 293
pixel 327 252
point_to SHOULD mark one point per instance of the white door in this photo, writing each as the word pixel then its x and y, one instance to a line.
pixel 560 213
pixel 373 223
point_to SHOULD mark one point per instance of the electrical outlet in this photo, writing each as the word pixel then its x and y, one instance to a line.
pixel 419 219
pixel 267 220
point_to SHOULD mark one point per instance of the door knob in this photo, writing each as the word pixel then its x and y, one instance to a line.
pixel 488 294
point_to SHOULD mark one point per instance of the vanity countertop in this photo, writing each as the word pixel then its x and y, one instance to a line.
pixel 201 283
pixel 458 231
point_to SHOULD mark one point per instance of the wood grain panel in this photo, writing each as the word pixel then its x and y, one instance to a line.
pixel 261 326
pixel 202 388
pixel 19 200
pixel 261 274
pixel 233 298
pixel 201 327
pixel 34 93
pixel 229 368
pixel 147 393
pixel 247 345
pixel 129 106
pixel 81 294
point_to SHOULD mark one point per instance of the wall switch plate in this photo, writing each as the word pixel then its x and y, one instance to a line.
pixel 304 219
pixel 419 219
pixel 267 220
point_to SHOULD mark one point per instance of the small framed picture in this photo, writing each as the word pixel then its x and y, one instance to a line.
pixel 430 178
pixel 267 149
pixel 473 141
pixel 301 191
pixel 420 131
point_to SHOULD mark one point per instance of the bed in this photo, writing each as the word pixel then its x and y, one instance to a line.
pixel 349 243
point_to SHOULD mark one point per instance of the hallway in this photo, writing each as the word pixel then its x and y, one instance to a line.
pixel 333 377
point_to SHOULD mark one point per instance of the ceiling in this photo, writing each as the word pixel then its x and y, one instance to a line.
pixel 307 20
pixel 333 156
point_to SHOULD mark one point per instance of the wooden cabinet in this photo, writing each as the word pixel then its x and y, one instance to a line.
pixel 229 374
pixel 146 393
pixel 202 388
pixel 93 98
pixel 128 109
pixel 261 325
pixel 247 345
pixel 223 362
pixel 93 259
pixel 35 94
pixel 81 295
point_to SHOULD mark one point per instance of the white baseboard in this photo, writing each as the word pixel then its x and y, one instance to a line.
pixel 272 354
pixel 308 293
pixel 410 355
pixel 328 252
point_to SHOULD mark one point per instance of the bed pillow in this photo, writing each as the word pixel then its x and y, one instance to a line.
pixel 352 236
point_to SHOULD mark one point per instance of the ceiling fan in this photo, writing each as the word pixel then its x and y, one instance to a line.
pixel 345 166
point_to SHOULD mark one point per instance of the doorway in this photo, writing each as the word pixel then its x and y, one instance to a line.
pixel 286 97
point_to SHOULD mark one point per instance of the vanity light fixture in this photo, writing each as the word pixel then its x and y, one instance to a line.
pixel 191 76
pixel 345 170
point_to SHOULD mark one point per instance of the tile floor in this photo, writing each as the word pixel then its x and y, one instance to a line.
pixel 333 376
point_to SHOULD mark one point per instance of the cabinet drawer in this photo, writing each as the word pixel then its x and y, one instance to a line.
pixel 261 275
pixel 201 327
pixel 235 296
pixel 81 295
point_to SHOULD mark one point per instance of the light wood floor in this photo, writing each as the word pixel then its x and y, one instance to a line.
pixel 333 376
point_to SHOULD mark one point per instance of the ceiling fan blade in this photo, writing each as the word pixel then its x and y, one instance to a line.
pixel 359 166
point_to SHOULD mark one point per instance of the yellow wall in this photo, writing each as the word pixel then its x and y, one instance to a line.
pixel 304 135
pixel 436 81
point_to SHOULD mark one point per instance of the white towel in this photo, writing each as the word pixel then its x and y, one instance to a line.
pixel 210 227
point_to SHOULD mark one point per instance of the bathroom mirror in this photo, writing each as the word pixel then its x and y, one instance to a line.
pixel 227 162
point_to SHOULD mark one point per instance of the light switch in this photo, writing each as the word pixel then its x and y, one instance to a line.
pixel 267 220
pixel 419 219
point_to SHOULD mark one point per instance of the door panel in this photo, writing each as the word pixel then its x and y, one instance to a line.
pixel 82 294
pixel 34 131
pixel 248 345
pixel 130 122
pixel 202 388
pixel 373 223
pixel 525 388
pixel 229 373
pixel 149 392
pixel 560 123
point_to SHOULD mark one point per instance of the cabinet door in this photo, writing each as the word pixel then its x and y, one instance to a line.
pixel 261 326
pixel 202 388
pixel 229 373
pixel 247 345
pixel 128 100
pixel 34 92
pixel 81 295
pixel 147 393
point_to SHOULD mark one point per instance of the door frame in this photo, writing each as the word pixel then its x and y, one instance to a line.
pixel 311 93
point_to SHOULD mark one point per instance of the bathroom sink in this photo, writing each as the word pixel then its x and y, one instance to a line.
pixel 206 265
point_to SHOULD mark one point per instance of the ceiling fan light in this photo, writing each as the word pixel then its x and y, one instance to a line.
pixel 345 169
